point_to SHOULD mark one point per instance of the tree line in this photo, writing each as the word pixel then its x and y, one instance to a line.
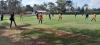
pixel 60 6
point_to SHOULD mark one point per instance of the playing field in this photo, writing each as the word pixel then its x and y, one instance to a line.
pixel 69 23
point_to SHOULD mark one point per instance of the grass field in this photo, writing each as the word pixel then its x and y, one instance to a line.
pixel 69 23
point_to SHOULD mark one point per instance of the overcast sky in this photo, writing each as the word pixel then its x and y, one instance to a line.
pixel 92 3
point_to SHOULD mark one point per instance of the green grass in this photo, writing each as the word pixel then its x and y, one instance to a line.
pixel 69 23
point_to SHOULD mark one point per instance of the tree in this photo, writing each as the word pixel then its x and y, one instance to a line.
pixel 39 7
pixel 52 7
pixel 35 7
pixel 14 5
pixel 61 4
pixel 29 8
pixel 46 6
pixel 42 7
pixel 3 6
pixel 86 9
pixel 69 4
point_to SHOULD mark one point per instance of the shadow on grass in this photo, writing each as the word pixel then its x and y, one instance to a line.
pixel 5 24
pixel 5 41
pixel 22 27
pixel 2 27
pixel 26 25
pixel 94 33
pixel 54 40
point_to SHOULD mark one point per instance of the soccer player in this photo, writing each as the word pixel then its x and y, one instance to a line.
pixel 87 16
pixel 21 16
pixel 94 17
pixel 75 14
pixel 49 16
pixel 37 15
pixel 2 16
pixel 12 19
pixel 60 16
pixel 40 17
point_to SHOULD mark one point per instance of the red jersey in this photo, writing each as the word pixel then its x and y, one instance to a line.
pixel 40 17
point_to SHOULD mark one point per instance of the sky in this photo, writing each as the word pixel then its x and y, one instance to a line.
pixel 80 3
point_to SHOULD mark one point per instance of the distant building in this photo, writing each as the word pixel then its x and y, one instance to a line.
pixel 42 11
pixel 39 11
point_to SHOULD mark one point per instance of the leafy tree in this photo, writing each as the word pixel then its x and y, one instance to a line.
pixel 69 3
pixel 3 6
pixel 52 7
pixel 39 7
pixel 62 4
pixel 46 6
pixel 14 5
pixel 29 8
pixel 87 9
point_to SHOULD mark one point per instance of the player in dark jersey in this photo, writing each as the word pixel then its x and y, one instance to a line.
pixel 12 19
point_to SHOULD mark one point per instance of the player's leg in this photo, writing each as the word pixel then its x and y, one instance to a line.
pixel 11 24
pixel 41 21
pixel 92 19
pixel 15 23
pixel 95 19
pixel 58 18
pixel 85 18
pixel 61 18
pixel 50 17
